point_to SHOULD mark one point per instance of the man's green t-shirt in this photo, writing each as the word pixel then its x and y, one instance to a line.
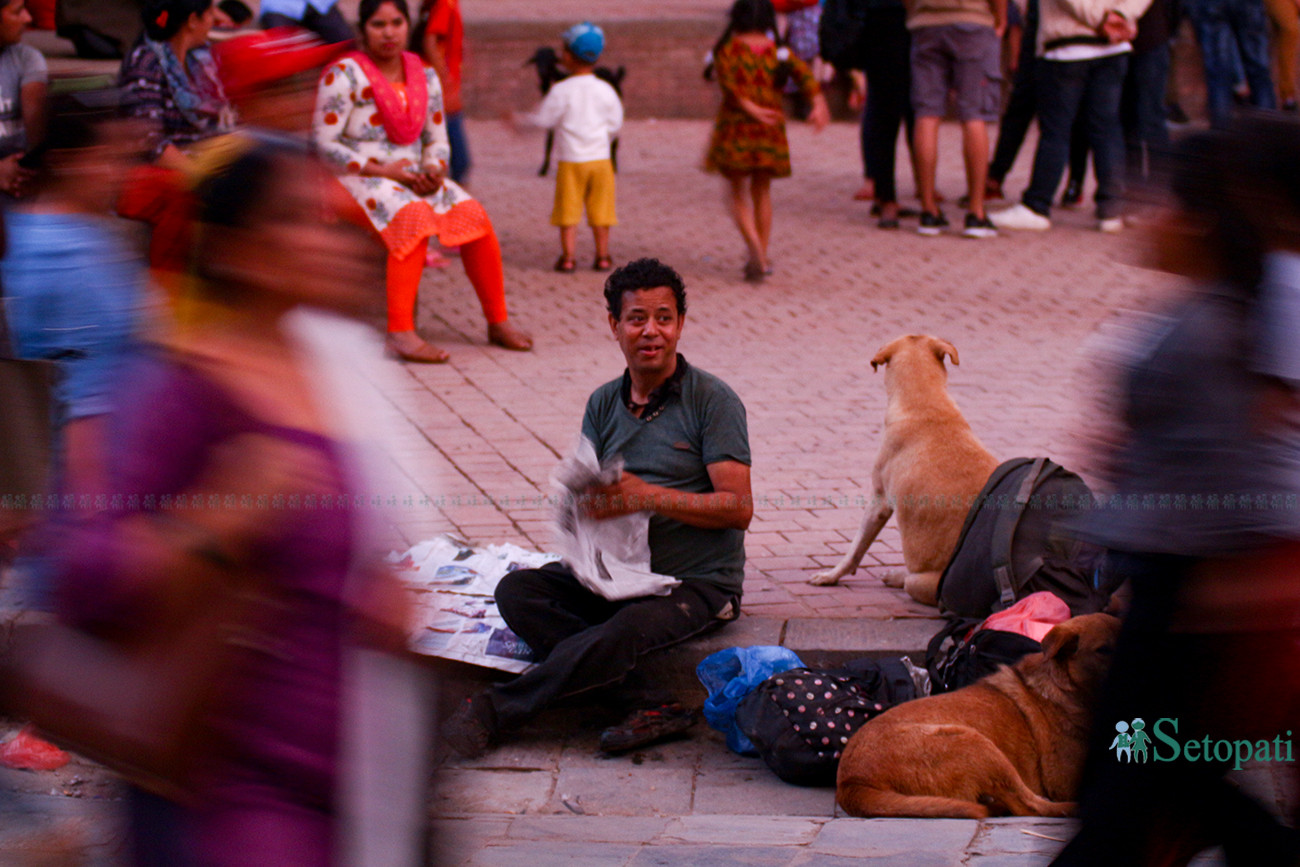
pixel 697 420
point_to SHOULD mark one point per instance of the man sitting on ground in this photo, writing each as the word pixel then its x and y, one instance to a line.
pixel 683 437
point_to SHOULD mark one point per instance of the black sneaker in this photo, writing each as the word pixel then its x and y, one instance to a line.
pixel 471 729
pixel 979 227
pixel 932 224
pixel 645 727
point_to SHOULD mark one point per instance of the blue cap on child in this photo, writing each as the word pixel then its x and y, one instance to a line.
pixel 585 41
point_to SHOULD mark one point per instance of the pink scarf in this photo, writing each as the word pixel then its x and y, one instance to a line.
pixel 402 125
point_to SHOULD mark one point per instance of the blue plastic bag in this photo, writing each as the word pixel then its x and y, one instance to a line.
pixel 729 675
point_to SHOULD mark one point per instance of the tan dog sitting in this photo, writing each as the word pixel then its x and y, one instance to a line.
pixel 1011 743
pixel 929 469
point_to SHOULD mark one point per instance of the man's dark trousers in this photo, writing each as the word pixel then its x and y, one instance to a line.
pixel 1089 90
pixel 583 641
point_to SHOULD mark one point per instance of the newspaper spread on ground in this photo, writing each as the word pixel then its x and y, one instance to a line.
pixel 456 615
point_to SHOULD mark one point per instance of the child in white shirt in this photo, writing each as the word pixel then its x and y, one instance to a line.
pixel 585 113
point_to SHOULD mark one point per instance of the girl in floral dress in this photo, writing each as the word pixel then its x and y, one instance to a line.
pixel 749 146
pixel 379 121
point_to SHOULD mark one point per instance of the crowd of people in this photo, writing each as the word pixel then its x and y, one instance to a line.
pixel 282 176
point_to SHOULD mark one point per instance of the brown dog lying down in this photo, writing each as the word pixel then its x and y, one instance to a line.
pixel 1013 742
pixel 929 469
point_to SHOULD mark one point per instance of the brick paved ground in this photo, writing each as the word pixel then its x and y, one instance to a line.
pixel 485 431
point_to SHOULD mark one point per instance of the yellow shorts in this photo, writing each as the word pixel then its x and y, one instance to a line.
pixel 590 183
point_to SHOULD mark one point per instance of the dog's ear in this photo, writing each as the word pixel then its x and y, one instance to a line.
pixel 883 356
pixel 1061 643
pixel 941 348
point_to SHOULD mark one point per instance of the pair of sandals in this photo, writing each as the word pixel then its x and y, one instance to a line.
pixel 566 265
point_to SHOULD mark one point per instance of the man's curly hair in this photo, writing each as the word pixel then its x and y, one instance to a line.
pixel 643 274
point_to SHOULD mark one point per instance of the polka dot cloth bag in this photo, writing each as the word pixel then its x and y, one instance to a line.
pixel 801 720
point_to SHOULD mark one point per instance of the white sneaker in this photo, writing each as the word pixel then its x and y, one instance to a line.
pixel 1111 225
pixel 1020 217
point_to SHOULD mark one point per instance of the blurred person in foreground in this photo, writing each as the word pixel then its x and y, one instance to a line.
pixel 1204 521
pixel 257 408
pixel 74 289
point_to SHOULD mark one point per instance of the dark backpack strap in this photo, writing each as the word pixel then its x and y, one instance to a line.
pixel 995 479
pixel 1004 529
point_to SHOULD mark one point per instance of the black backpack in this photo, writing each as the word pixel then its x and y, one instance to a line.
pixel 961 653
pixel 801 720
pixel 1014 543
pixel 841 32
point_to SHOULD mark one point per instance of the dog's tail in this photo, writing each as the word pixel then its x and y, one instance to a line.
pixel 860 799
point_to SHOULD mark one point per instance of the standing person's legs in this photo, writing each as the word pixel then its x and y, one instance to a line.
pixel 742 212
pixel 1060 89
pixel 868 188
pixel 888 100
pixel 1250 23
pixel 460 159
pixel 1021 108
pixel 601 214
pixel 932 78
pixel 1100 114
pixel 1286 47
pixel 1078 163
pixel 1142 110
pixel 1218 54
pixel 977 77
pixel 760 191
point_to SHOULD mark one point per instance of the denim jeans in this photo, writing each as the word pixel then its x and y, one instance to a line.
pixel 1142 110
pixel 460 162
pixel 584 642
pixel 1089 90
pixel 889 88
pixel 1228 30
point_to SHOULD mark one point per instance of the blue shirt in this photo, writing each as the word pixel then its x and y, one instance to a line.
pixel 74 293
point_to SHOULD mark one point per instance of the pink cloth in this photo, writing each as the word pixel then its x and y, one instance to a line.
pixel 1034 616
pixel 402 123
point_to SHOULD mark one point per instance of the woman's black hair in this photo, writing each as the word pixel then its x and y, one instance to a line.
pixel 368 9
pixel 746 16
pixel 163 19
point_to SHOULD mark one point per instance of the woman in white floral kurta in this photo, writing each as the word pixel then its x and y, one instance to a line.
pixel 379 121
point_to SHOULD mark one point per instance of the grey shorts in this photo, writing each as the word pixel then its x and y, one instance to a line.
pixel 966 58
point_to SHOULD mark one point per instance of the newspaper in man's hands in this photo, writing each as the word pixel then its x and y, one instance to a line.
pixel 610 557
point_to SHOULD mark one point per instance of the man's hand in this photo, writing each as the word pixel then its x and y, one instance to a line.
pixel 729 506
pixel 1116 28
pixel 628 495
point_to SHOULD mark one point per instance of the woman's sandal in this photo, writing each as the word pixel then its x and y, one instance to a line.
pixel 506 336
pixel 603 263
pixel 754 272
pixel 565 265
pixel 427 353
